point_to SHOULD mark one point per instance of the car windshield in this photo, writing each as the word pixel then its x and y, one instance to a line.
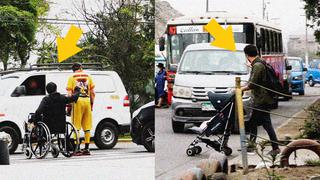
pixel 5 84
pixel 214 61
pixel 296 66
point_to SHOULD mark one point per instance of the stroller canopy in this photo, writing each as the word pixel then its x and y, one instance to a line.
pixel 220 100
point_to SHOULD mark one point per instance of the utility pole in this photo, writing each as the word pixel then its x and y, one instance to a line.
pixel 207 6
pixel 307 48
pixel 263 9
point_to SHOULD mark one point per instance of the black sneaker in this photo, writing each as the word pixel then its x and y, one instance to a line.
pixel 85 152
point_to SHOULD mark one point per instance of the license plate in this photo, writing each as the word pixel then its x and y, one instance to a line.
pixel 207 106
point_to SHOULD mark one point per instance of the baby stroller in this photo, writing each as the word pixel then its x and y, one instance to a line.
pixel 224 105
pixel 39 140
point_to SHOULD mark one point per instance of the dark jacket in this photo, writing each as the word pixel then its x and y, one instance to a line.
pixel 52 111
pixel 261 97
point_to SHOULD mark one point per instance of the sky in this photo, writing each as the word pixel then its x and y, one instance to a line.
pixel 289 14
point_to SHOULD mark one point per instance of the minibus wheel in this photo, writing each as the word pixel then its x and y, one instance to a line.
pixel 106 135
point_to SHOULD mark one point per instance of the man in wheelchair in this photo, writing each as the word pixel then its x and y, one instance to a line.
pixel 52 109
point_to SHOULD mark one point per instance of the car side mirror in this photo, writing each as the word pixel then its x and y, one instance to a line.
pixel 162 43
pixel 305 69
pixel 289 67
pixel 19 91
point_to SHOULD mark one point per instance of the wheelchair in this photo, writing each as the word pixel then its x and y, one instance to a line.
pixel 39 141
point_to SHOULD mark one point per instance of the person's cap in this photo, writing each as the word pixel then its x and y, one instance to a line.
pixel 160 65
pixel 76 66
pixel 51 87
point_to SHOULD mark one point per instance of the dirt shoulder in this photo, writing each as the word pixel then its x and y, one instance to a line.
pixel 298 173
pixel 293 126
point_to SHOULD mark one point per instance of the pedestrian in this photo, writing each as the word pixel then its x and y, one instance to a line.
pixel 160 83
pixel 261 100
pixel 52 109
pixel 81 114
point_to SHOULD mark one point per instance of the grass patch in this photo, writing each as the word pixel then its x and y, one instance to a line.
pixel 312 162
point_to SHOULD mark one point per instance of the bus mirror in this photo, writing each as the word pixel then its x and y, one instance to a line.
pixel 289 67
pixel 162 42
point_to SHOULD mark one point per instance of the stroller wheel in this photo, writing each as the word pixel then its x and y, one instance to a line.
pixel 227 151
pixel 27 153
pixel 191 151
pixel 198 149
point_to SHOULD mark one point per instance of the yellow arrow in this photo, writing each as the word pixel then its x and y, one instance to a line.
pixel 67 46
pixel 223 37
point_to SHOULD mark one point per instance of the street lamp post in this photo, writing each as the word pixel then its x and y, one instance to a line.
pixel 307 48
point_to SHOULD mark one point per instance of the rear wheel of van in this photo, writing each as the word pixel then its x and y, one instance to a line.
pixel 106 135
pixel 13 140
pixel 177 127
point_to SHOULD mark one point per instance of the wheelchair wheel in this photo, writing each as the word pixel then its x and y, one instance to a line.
pixel 55 151
pixel 27 153
pixel 40 140
pixel 68 144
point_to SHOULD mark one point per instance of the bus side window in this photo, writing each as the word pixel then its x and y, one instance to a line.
pixel 280 43
pixel 263 41
pixel 268 42
pixel 276 42
pixel 271 42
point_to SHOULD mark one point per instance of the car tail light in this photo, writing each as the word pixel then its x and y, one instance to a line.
pixel 126 101
pixel 172 30
pixel 2 115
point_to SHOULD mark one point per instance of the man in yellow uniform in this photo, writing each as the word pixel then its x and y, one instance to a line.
pixel 82 110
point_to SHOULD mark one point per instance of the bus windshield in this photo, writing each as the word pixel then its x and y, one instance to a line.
pixel 178 42
pixel 214 61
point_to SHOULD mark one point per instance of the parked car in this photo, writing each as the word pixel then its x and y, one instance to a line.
pixel 205 68
pixel 313 73
pixel 297 74
pixel 111 110
pixel 142 126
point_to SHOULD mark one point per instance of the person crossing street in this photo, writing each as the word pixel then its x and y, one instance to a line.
pixel 81 114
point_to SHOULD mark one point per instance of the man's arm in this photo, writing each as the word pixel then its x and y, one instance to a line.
pixel 73 98
pixel 255 77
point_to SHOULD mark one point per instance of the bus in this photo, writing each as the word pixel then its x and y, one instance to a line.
pixel 183 31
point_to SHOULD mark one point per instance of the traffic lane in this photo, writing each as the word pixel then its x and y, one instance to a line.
pixel 170 152
pixel 125 161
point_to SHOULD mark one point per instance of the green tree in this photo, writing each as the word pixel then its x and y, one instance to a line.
pixel 123 39
pixel 313 13
pixel 18 26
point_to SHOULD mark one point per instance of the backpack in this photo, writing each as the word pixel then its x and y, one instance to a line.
pixel 272 81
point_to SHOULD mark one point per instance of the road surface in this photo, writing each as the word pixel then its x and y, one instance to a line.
pixel 171 158
pixel 125 161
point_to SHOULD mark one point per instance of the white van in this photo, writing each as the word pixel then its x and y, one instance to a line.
pixel 111 111
pixel 205 68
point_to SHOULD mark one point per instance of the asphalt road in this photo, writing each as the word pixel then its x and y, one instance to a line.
pixel 125 161
pixel 171 158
